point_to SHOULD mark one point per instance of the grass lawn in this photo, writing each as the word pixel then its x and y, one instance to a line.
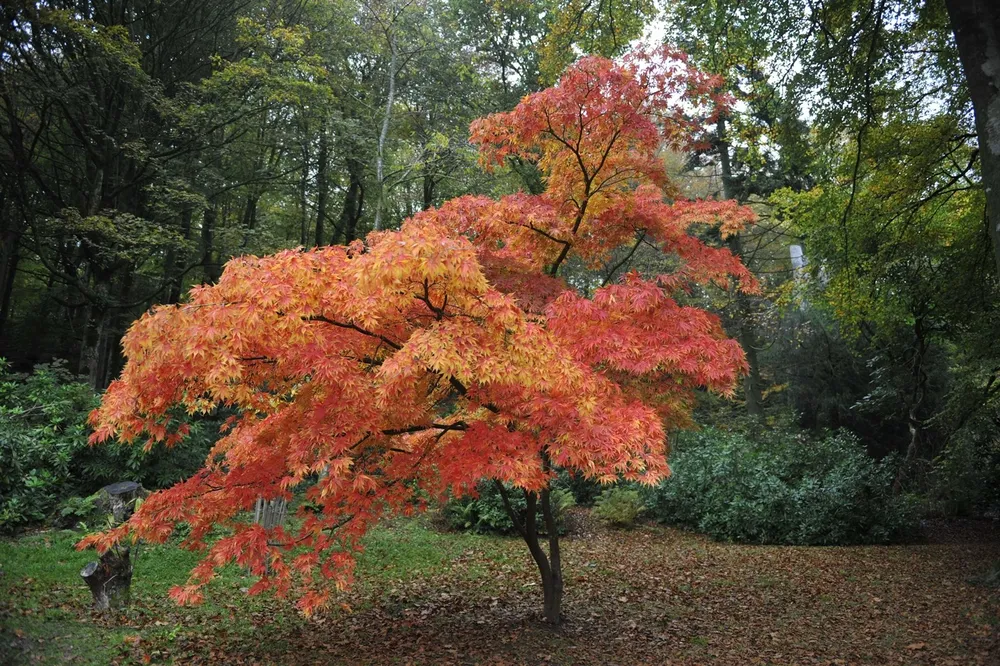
pixel 650 595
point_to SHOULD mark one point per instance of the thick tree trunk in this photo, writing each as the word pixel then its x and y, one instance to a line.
pixel 95 354
pixel 270 513
pixel 109 579
pixel 549 566
pixel 976 24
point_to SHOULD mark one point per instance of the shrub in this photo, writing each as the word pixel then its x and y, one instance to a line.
pixel 73 511
pixel 42 432
pixel 44 456
pixel 486 513
pixel 619 506
pixel 785 490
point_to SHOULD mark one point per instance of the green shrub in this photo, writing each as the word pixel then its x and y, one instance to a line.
pixel 619 506
pixel 786 490
pixel 42 432
pixel 486 513
pixel 44 455
pixel 73 511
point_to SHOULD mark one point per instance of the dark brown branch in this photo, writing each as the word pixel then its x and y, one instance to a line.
pixel 355 327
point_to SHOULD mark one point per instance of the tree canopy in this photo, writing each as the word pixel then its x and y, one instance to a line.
pixel 388 371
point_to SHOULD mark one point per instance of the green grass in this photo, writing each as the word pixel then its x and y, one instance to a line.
pixel 47 619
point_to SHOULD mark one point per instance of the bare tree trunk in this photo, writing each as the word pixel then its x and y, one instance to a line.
pixel 914 412
pixel 384 134
pixel 322 187
pixel 9 259
pixel 354 201
pixel 976 24
pixel 549 566
pixel 753 391
pixel 428 200
pixel 209 255
pixel 554 588
pixel 270 514
pixel 303 199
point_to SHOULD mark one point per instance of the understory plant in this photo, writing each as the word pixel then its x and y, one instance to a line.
pixel 619 506
pixel 782 488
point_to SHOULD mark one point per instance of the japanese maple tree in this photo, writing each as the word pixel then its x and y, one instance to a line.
pixel 375 376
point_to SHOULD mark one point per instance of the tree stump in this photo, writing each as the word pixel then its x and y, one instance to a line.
pixel 119 499
pixel 110 579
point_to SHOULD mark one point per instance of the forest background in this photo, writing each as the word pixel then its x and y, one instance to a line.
pixel 143 144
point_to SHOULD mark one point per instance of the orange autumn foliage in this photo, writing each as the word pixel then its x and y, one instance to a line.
pixel 426 359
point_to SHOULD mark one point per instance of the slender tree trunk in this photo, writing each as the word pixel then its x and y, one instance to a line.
pixel 322 187
pixel 753 391
pixel 173 264
pixel 554 587
pixel 9 259
pixel 303 199
pixel 549 566
pixel 390 99
pixel 428 183
pixel 976 24
pixel 353 201
pixel 914 412
pixel 209 255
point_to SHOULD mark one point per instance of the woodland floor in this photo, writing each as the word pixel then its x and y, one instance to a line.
pixel 645 596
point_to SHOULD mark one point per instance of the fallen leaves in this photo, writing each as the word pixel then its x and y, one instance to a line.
pixel 646 596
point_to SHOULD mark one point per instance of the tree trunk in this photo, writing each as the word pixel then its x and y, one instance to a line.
pixel 250 216
pixel 174 264
pixel 428 183
pixel 322 188
pixel 914 412
pixel 270 513
pixel 353 201
pixel 110 579
pixel 9 259
pixel 553 587
pixel 384 134
pixel 209 256
pixel 303 193
pixel 753 391
pixel 976 24
pixel 549 566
